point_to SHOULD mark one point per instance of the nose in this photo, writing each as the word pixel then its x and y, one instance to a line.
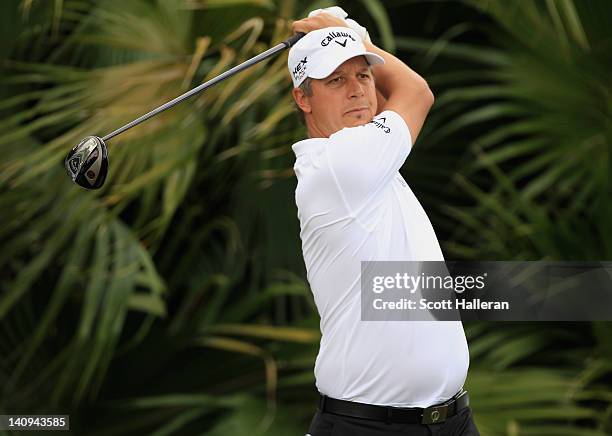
pixel 356 89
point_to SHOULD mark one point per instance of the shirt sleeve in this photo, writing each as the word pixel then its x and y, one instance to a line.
pixel 365 159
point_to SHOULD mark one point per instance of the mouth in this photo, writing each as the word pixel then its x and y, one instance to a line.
pixel 356 110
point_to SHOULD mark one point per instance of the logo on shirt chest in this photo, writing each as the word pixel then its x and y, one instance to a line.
pixel 380 123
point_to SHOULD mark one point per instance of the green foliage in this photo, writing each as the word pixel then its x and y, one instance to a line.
pixel 538 162
pixel 173 301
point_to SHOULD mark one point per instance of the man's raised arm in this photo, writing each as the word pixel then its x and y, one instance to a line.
pixel 404 90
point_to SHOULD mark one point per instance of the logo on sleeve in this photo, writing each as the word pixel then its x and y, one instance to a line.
pixel 380 123
pixel 331 36
pixel 300 69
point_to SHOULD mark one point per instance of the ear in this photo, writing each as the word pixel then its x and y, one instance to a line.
pixel 302 100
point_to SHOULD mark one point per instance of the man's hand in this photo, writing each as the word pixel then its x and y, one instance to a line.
pixel 337 11
pixel 317 22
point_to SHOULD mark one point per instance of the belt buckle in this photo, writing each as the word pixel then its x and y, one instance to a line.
pixel 435 414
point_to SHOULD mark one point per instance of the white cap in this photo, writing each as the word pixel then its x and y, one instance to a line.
pixel 321 51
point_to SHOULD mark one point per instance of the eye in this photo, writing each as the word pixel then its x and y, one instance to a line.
pixel 335 80
pixel 365 75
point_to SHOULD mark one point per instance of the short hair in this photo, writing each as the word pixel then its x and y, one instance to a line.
pixel 306 87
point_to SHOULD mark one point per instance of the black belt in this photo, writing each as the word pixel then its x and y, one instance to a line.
pixel 413 415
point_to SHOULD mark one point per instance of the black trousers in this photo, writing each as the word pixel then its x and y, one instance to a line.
pixel 328 424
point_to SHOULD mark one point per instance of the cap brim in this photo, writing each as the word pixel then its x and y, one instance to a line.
pixel 372 59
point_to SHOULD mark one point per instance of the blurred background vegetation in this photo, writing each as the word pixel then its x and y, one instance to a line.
pixel 174 300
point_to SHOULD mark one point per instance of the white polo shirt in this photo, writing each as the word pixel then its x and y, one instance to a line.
pixel 353 205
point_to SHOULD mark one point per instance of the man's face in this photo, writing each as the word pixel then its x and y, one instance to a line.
pixel 345 98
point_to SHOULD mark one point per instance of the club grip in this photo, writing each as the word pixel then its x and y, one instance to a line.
pixel 293 39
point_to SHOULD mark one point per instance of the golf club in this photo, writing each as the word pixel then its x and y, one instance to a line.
pixel 87 163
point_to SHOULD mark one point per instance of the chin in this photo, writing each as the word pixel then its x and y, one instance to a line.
pixel 361 122
pixel 354 121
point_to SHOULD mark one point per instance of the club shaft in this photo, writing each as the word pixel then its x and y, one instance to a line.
pixel 246 64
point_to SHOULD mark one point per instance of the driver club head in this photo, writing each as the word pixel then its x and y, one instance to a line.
pixel 87 163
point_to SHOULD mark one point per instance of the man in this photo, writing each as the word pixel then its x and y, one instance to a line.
pixel 363 109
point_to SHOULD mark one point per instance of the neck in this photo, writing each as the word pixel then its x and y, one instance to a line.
pixel 313 130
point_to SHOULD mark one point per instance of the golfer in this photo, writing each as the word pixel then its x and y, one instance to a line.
pixel 363 109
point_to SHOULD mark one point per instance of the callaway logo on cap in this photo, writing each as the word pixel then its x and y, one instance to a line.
pixel 321 51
